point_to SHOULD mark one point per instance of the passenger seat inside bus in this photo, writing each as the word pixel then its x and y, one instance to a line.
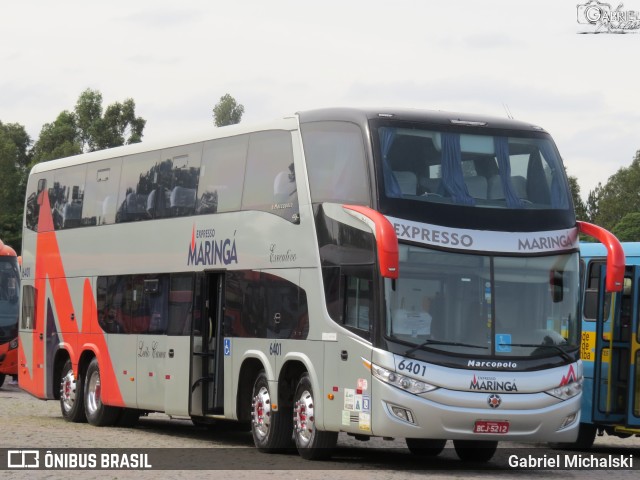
pixel 182 198
pixel 477 187
pixel 408 182
pixel 496 192
pixel 136 207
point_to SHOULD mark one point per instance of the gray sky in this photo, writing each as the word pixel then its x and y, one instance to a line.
pixel 176 59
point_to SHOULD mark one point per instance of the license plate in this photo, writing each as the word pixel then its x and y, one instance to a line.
pixel 488 426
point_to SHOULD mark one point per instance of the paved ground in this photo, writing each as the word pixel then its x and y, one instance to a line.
pixel 31 423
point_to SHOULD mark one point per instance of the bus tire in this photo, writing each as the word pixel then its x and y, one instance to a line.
pixel 586 437
pixel 312 444
pixel 2 376
pixel 425 447
pixel 128 417
pixel 475 450
pixel 271 429
pixel 98 414
pixel 71 395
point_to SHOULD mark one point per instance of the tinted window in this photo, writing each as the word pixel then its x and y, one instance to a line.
pixel 334 152
pixel 590 309
pixel 36 190
pixel 180 183
pixel 244 314
pixel 222 175
pixel 180 304
pixel 359 302
pixel 133 303
pixel 468 169
pixel 66 196
pixel 101 194
pixel 262 305
pixel 28 308
pixel 113 303
pixel 270 179
pixel 140 175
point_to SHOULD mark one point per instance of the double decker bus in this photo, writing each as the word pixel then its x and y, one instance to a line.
pixel 9 292
pixel 391 273
pixel 610 347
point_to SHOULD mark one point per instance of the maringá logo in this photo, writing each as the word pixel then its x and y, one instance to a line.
pixel 205 249
pixel 492 384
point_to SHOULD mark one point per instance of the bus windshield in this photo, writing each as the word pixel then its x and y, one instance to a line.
pixel 9 280
pixel 512 170
pixel 484 305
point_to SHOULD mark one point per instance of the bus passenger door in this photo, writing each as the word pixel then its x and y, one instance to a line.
pixel 633 408
pixel 206 362
pixel 616 398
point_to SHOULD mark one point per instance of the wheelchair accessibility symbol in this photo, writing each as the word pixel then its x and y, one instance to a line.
pixel 503 342
pixel 227 347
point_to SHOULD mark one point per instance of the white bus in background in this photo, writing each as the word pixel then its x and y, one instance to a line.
pixel 387 273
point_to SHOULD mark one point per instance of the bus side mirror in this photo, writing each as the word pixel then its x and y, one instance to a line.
pixel 556 283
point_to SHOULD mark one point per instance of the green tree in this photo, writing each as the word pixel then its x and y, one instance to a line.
pixel 581 209
pixel 118 126
pixel 619 196
pixel 57 139
pixel 14 160
pixel 628 229
pixel 87 129
pixel 592 202
pixel 227 111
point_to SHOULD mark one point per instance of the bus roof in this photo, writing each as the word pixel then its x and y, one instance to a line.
pixel 360 116
pixel 285 123
pixel 631 250
pixel 414 115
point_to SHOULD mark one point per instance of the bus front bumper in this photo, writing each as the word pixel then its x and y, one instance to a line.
pixel 460 415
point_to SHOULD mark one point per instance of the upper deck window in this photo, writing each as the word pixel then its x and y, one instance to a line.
pixel 509 170
pixel 335 157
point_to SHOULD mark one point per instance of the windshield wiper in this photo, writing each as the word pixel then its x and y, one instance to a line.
pixel 563 354
pixel 438 342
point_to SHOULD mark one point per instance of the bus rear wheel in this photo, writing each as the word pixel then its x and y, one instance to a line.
pixel 71 397
pixel 271 429
pixel 425 447
pixel 2 376
pixel 98 414
pixel 312 444
pixel 475 450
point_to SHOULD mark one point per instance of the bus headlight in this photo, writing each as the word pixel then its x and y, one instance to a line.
pixel 13 344
pixel 566 392
pixel 407 384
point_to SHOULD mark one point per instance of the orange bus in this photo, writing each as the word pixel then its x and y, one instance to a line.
pixel 9 288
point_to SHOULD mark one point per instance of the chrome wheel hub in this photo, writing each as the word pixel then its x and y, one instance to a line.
pixel 261 413
pixel 304 419
pixel 94 401
pixel 68 391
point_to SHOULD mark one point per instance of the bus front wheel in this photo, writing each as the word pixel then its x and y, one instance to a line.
pixel 98 414
pixel 425 447
pixel 312 444
pixel 586 437
pixel 271 428
pixel 475 450
pixel 71 397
